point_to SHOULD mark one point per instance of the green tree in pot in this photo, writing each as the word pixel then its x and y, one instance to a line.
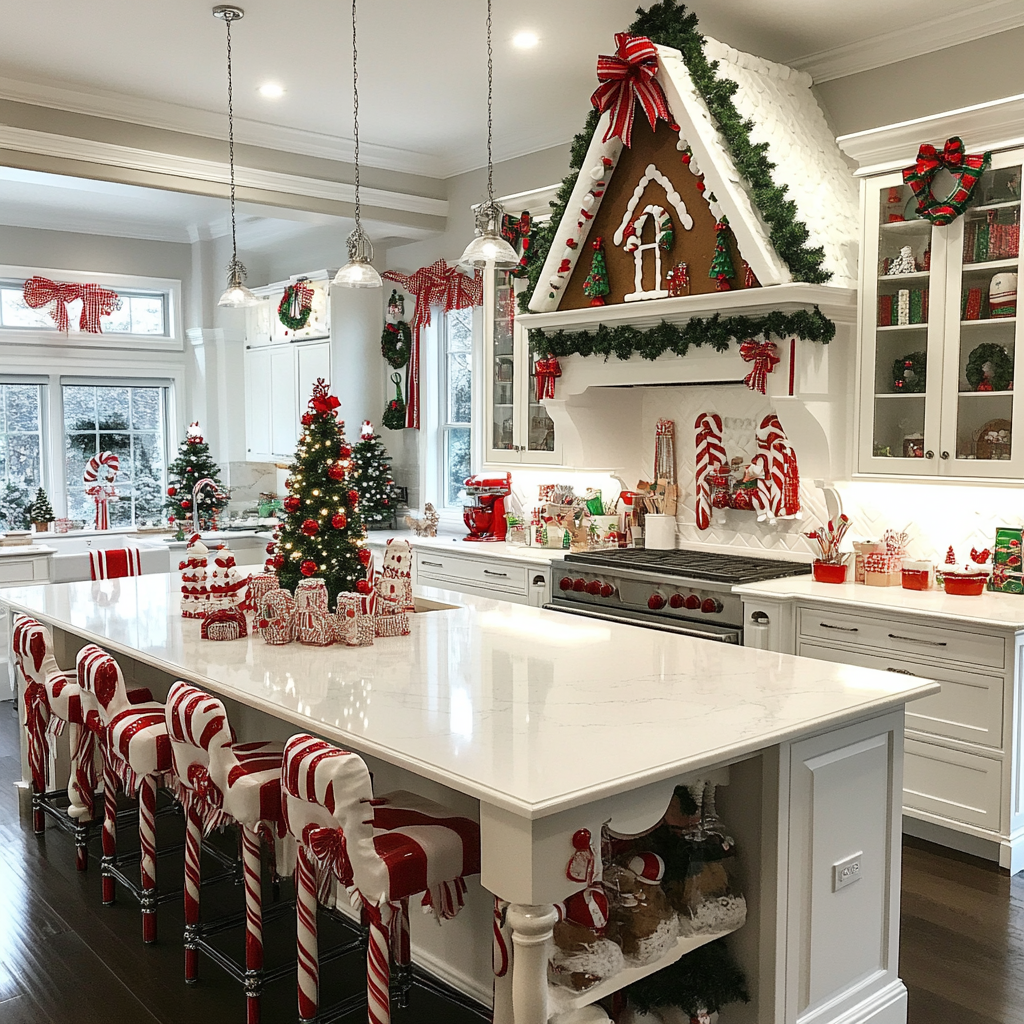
pixel 41 511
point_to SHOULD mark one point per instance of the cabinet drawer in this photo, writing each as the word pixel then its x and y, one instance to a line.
pixel 969 707
pixel 892 635
pixel 488 573
pixel 952 784
pixel 22 570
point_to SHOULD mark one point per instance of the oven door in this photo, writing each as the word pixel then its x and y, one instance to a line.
pixel 701 630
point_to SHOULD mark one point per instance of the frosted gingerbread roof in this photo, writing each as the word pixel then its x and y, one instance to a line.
pixel 785 115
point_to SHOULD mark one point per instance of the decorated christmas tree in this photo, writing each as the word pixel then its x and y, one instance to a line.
pixel 323 529
pixel 596 285
pixel 40 510
pixel 372 475
pixel 192 465
pixel 721 262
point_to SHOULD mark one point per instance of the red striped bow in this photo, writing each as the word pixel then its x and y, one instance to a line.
pixel 952 156
pixel 96 302
pixel 328 847
pixel 765 357
pixel 626 77
pixel 546 371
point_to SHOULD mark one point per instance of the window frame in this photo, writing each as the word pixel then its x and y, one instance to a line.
pixel 444 424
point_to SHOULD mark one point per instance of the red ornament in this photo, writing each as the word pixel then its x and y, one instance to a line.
pixel 278 561
pixel 288 484
pixel 291 503
pixel 363 586
pixel 308 567
pixel 271 548
pixel 336 471
pixel 700 186
pixel 188 469
pixel 172 491
pixel 345 451
pixel 364 556
pixel 307 419
pixel 686 158
pixel 353 497
pixel 339 521
pixel 310 527
pixel 185 503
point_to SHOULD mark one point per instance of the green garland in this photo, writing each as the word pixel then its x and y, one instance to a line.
pixel 1002 366
pixel 668 24
pixel 294 323
pixel 716 331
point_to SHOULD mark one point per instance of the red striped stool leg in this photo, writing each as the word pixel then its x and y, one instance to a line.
pixel 109 830
pixel 378 965
pixel 401 952
pixel 147 862
pixel 35 743
pixel 252 870
pixel 305 916
pixel 193 848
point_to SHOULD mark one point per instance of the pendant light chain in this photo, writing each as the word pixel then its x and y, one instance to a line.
pixel 355 109
pixel 231 146
pixel 490 94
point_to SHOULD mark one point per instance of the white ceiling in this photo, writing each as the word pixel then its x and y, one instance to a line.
pixel 422 64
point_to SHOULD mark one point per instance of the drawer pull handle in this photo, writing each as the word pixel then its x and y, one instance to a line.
pixel 916 640
pixel 842 629
pixel 902 672
pixel 489 572
pixel 433 565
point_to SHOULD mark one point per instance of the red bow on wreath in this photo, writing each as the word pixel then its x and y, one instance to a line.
pixel 546 371
pixel 967 169
pixel 625 78
pixel 96 302
pixel 765 357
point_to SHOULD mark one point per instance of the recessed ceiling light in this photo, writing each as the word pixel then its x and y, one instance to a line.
pixel 271 91
pixel 525 40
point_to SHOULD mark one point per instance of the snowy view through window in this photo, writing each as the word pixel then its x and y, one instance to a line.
pixel 21 452
pixel 458 380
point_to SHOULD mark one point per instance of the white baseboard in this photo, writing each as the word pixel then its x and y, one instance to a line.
pixel 887 1005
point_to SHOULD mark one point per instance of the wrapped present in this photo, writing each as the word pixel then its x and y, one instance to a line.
pixel 224 624
pixel 311 595
pixel 883 569
pixel 351 626
pixel 275 617
pixel 1008 548
pixel 884 310
pixel 315 627
pixel 258 586
pixel 1004 581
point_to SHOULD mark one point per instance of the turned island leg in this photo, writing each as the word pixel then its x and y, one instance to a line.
pixel 531 937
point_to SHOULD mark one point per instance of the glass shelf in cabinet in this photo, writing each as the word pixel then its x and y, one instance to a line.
pixel 983 266
pixel 1010 320
pixel 917 275
pixel 902 327
pixel 899 394
pixel 985 394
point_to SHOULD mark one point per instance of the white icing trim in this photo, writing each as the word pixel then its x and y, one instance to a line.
pixel 653 174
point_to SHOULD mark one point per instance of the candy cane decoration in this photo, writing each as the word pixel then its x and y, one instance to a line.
pixel 710 453
pixel 369 596
pixel 253 923
pixel 778 486
pixel 309 965
pixel 193 849
pixel 109 830
pixel 105 465
pixel 147 863
pixel 378 962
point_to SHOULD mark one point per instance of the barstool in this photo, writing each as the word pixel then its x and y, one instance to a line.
pixel 382 850
pixel 221 782
pixel 136 756
pixel 52 701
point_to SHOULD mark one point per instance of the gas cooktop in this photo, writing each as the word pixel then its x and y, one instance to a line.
pixel 699 565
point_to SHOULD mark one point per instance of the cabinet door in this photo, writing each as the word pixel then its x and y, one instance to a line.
pixel 313 362
pixel 284 422
pixel 501 373
pixel 258 442
pixel 257 324
pixel 901 369
pixel 980 403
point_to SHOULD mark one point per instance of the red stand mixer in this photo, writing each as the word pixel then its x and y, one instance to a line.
pixel 484 511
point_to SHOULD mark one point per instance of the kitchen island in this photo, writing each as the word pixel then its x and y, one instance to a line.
pixel 540 724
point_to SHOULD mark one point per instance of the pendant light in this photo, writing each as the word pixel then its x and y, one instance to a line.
pixel 358 272
pixel 489 249
pixel 236 295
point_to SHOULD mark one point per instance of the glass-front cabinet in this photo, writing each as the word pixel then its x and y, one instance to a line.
pixel 517 427
pixel 939 330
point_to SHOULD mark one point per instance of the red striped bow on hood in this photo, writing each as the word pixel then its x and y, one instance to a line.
pixel 626 77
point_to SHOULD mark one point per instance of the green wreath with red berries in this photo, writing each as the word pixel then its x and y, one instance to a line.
pixel 1002 367
pixel 396 344
pixel 298 296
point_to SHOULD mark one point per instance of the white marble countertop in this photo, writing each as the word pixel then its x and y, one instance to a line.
pixel 534 711
pixel 1002 611
pixel 456 544
pixel 10 550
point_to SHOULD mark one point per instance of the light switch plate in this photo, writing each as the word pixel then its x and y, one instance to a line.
pixel 846 872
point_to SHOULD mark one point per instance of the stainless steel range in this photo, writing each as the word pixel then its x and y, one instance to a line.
pixel 682 591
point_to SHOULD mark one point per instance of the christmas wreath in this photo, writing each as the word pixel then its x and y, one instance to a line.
pixel 966 169
pixel 295 306
pixel 396 344
pixel 917 364
pixel 394 414
pixel 1002 368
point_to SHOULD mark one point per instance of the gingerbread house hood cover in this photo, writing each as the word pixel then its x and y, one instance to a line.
pixel 665 208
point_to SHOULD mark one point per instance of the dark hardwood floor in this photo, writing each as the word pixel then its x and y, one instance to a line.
pixel 64 957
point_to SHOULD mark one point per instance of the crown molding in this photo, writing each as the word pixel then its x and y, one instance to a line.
pixel 975 21
pixel 985 126
pixel 210 124
pixel 89 151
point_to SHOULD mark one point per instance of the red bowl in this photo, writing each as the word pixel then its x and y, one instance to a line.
pixel 963 584
pixel 829 572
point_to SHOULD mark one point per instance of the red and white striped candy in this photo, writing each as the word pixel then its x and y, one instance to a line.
pixel 105 463
pixel 710 452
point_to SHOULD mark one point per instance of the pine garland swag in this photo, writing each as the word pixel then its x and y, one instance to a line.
pixel 668 23
pixel 304 294
pixel 714 331
pixel 394 411
pixel 396 344
pixel 1002 366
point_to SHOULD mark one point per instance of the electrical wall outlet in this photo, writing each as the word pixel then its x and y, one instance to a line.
pixel 846 872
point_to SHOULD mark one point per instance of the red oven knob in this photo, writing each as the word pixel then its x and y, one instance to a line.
pixel 655 602
pixel 692 602
pixel 711 606
pixel 565 583
pixel 594 588
pixel 579 585
pixel 675 601
pixel 607 590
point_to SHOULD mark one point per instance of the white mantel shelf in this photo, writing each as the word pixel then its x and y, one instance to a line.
pixel 838 304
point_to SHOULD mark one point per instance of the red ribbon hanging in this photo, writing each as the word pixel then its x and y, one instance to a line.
pixel 765 357
pixel 96 302
pixel 628 76
pixel 546 371
pixel 328 846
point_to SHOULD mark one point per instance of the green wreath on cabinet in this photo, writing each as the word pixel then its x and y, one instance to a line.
pixel 1002 368
pixel 396 344
pixel 295 306
pixel 917 364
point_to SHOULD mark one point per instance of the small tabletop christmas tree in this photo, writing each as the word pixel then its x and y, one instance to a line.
pixel 721 262
pixel 596 285
pixel 323 527
pixel 193 464
pixel 371 463
pixel 40 511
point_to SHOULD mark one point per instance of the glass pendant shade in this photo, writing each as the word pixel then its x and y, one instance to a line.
pixel 358 272
pixel 489 249
pixel 236 295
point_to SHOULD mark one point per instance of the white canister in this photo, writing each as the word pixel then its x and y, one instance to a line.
pixel 1002 295
pixel 659 531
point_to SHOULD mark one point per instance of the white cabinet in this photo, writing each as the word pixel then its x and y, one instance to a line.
pixel 938 341
pixel 517 428
pixel 473 571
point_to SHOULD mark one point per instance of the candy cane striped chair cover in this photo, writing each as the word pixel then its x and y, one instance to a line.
pixel 382 850
pixel 52 702
pixel 221 782
pixel 136 756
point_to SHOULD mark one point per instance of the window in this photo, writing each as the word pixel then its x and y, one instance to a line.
pixel 456 403
pixel 138 313
pixel 21 451
pixel 129 422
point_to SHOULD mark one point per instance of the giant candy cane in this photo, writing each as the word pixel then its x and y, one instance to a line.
pixel 710 453
pixel 99 475
pixel 778 489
